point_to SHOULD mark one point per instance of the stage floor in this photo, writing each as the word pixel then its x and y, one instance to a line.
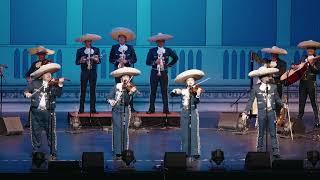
pixel 150 144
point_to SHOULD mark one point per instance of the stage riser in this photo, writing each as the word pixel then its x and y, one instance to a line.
pixel 142 119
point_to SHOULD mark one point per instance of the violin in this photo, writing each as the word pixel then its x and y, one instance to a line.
pixel 55 82
pixel 194 89
pixel 128 86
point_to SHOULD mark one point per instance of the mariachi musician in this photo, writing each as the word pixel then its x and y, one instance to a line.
pixel 280 64
pixel 43 91
pixel 88 57
pixel 123 54
pixel 190 98
pixel 158 59
pixel 41 52
pixel 119 99
pixel 308 84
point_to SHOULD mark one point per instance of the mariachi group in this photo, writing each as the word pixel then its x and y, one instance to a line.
pixel 43 89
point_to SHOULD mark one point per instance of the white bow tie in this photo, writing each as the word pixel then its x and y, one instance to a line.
pixel 263 87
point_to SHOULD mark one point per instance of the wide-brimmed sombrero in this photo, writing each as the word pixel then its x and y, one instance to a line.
pixel 128 33
pixel 263 70
pixel 51 67
pixel 125 71
pixel 192 73
pixel 160 37
pixel 40 50
pixel 275 50
pixel 88 37
pixel 309 44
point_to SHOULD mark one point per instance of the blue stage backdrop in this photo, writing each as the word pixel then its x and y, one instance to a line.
pixel 213 35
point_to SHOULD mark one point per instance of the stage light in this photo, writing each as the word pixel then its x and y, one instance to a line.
pixel 217 156
pixel 313 157
pixel 38 158
pixel 127 156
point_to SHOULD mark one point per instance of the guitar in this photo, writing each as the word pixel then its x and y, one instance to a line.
pixel 293 75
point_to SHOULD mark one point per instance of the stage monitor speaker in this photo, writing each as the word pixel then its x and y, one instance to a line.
pixel 228 120
pixel 287 165
pixel 257 161
pixel 175 160
pixel 68 167
pixel 93 162
pixel 10 126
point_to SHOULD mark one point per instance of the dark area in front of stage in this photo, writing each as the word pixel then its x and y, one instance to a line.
pixel 150 144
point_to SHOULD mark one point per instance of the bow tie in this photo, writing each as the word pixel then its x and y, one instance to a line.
pixel 263 87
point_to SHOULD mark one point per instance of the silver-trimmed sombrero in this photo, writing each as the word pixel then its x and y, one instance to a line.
pixel 125 71
pixel 160 36
pixel 192 73
pixel 263 70
pixel 309 44
pixel 40 49
pixel 51 67
pixel 88 37
pixel 128 33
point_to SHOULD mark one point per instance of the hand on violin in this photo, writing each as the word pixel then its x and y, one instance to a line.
pixel 158 61
pixel 112 102
pixel 83 60
pixel 133 90
pixel 95 58
pixel 27 94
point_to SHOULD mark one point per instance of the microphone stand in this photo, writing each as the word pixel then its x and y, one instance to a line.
pixel 189 126
pixel 267 119
pixel 123 122
pixel 241 96
pixel 51 118
pixel 289 118
pixel 1 90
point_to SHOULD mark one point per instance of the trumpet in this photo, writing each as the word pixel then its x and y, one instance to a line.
pixel 160 67
pixel 122 57
pixel 89 52
pixel 122 49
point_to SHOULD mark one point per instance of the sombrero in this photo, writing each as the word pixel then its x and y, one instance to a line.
pixel 88 37
pixel 116 32
pixel 125 71
pixel 160 36
pixel 40 50
pixel 51 67
pixel 275 50
pixel 192 73
pixel 263 70
pixel 309 44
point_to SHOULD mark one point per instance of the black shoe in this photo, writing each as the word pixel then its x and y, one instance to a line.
pixel 53 156
pixel 196 156
pixel 150 112
pixel 317 125
pixel 166 112
pixel 133 110
pixel 276 156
